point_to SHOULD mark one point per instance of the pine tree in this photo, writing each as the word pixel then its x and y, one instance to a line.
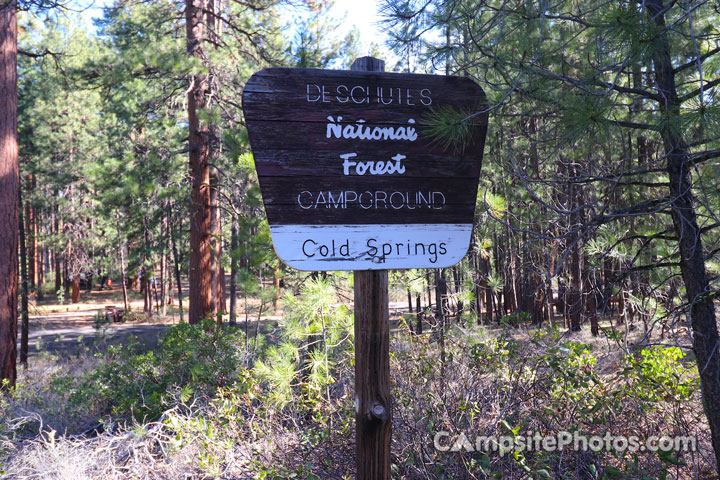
pixel 615 106
pixel 201 144
pixel 9 186
pixel 58 122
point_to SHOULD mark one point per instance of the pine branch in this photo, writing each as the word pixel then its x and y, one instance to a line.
pixel 704 141
pixel 635 125
pixel 37 55
pixel 644 184
pixel 651 266
pixel 700 157
pixel 642 208
pixel 699 90
pixel 181 151
pixel 709 227
pixel 635 91
pixel 694 62
pixel 647 240
pixel 710 255
pixel 573 19
pixel 252 5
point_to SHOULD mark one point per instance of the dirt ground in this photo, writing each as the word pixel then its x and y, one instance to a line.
pixel 72 329
pixel 67 330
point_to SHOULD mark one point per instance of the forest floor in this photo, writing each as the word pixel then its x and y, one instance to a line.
pixel 70 329
pixel 523 375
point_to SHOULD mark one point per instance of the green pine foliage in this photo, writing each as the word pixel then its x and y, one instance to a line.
pixel 573 210
pixel 317 336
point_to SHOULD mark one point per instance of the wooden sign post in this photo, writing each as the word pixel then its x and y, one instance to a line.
pixel 353 178
pixel 373 399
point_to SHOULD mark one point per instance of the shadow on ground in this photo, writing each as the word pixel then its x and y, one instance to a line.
pixel 69 342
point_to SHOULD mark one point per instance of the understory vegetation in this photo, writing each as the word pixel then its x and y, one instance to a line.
pixel 280 404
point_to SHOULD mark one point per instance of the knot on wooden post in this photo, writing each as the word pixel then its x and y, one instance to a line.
pixel 377 412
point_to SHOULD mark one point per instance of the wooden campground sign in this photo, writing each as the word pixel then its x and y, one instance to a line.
pixel 350 174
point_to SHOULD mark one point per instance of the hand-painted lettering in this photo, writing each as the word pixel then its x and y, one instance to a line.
pixel 372 200
pixel 359 130
pixel 372 167
pixel 366 94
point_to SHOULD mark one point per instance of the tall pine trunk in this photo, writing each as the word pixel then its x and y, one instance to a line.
pixel 57 254
pixel 706 341
pixel 123 274
pixel 200 274
pixel 66 278
pixel 30 235
pixel 148 272
pixel 41 252
pixel 218 273
pixel 9 185
pixel 163 265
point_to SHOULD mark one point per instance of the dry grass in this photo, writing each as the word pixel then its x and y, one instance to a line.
pixel 37 405
pixel 122 455
pixel 475 399
pixel 180 445
pixel 240 435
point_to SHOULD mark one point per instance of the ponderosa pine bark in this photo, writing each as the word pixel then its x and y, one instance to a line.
pixel 9 185
pixel 123 275
pixel 706 341
pixel 200 274
pixel 57 254
pixel 214 29
pixel 217 273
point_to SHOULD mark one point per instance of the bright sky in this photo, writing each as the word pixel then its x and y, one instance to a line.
pixel 361 13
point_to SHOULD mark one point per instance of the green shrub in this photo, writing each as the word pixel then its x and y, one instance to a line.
pixel 317 338
pixel 658 374
pixel 195 358
pixel 516 319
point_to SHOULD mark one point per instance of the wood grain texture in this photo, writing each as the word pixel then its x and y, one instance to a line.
pixel 357 200
pixel 302 121
pixel 285 82
pixel 373 399
pixel 368 64
pixel 201 302
pixel 306 138
pixel 289 163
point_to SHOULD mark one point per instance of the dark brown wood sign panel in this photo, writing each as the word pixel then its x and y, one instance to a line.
pixel 350 174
